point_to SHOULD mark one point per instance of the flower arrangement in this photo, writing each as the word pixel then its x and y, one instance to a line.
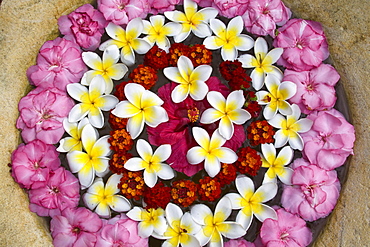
pixel 212 130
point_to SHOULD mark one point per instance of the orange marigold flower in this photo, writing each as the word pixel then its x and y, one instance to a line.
pixel 120 139
pixel 184 192
pixel 209 189
pixel 158 196
pixel 249 161
pixel 132 184
pixel 199 54
pixel 144 75
pixel 118 160
pixel 176 50
pixel 260 132
pixel 117 122
pixel 156 58
pixel 227 174
pixel 120 93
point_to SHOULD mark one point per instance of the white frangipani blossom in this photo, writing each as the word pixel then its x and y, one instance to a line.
pixel 151 163
pixel 289 128
pixel 108 67
pixel 151 221
pixel 73 142
pixel 250 202
pixel 93 101
pixel 262 62
pixel 192 20
pixel 104 198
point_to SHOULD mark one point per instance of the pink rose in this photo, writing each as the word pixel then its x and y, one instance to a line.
pixel 304 43
pixel 75 227
pixel 32 163
pixel 85 26
pixel 231 8
pixel 314 193
pixel 59 63
pixel 330 140
pixel 287 230
pixel 42 112
pixel 120 12
pixel 238 243
pixel 262 16
pixel 160 6
pixel 315 88
pixel 61 191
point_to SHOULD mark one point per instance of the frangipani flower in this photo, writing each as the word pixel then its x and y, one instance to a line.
pixel 103 198
pixel 181 228
pixel 262 62
pixel 275 99
pixel 94 160
pixel 127 40
pixel 92 101
pixel 72 143
pixel 108 67
pixel 142 106
pixel 228 111
pixel 214 225
pixel 276 164
pixel 211 151
pixel 151 162
pixel 151 220
pixel 192 81
pixel 289 128
pixel 157 31
pixel 250 202
pixel 192 20
pixel 229 38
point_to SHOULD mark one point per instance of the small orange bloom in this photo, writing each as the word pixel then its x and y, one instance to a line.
pixel 184 192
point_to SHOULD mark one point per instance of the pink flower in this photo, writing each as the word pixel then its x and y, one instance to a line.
pixel 204 3
pixel 238 243
pixel 85 26
pixel 42 112
pixel 61 191
pixel 120 12
pixel 75 227
pixel 231 8
pixel 262 16
pixel 315 88
pixel 182 118
pixel 32 162
pixel 304 44
pixel 120 231
pixel 160 6
pixel 59 63
pixel 330 140
pixel 287 230
pixel 314 193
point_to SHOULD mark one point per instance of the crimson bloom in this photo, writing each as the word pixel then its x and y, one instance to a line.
pixel 183 117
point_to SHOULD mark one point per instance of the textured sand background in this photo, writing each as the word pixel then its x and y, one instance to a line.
pixel 26 24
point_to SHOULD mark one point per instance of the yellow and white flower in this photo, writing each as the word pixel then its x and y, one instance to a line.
pixel 210 151
pixel 93 102
pixel 191 81
pixel 106 67
pixel 157 31
pixel 229 38
pixel 275 99
pixel 250 202
pixel 262 62
pixel 94 160
pixel 151 163
pixel 289 128
pixel 142 106
pixel 151 221
pixel 127 39
pixel 104 198
pixel 192 20
pixel 276 165
pixel 214 226
pixel 72 143
pixel 229 111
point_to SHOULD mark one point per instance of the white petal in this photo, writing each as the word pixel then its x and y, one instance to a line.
pixel 180 37
pixel 97 86
pixel 101 146
pixel 111 55
pixel 269 152
pixel 208 13
pixel 125 109
pixel 188 222
pixel 173 74
pixel 275 54
pixel 86 177
pixel 113 182
pixel 144 150
pixel 217 26
pixel 305 124
pixel 226 128
pixel 195 155
pixel 89 136
pixel 258 79
pixel 245 43
pixel 202 73
pixel 286 155
pixel 280 139
pixel 166 172
pixel 212 165
pixel 235 200
pixel 210 115
pixel 120 204
pixel 134 27
pixel 234 230
pixel 144 229
pixel 236 25
pixel 185 66
pixel 223 208
pixel 141 46
pixel 113 30
pixel 266 192
pixel 201 137
pixel 246 60
pixel 135 213
pixel 128 55
pixel 96 120
pixel 199 212
pixel 163 152
pixel 173 213
pixel 244 185
pixel 150 178
pixel 229 54
pixel 277 121
pixel 286 177
pixel 155 115
pixel 227 156
pixel 260 46
pixel 244 220
pixel 77 113
pixel 134 164
pixel 212 43
pixel 117 71
pixel 74 160
pixel 92 60
pixel 90 200
pixel 173 28
pixel 103 210
pixel 77 91
pixel 296 141
pixel 135 125
pixel 110 101
pixel 265 213
pixel 240 116
pixel 198 90
pixel 202 30
pixel 217 100
pixel 179 93
pixel 287 89
pixel 270 111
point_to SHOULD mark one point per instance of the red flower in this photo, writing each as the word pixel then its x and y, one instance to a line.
pixel 144 75
pixel 156 58
pixel 249 161
pixel 158 196
pixel 230 69
pixel 199 55
pixel 209 189
pixel 116 164
pixel 184 192
pixel 132 184
pixel 260 132
pixel 227 174
pixel 176 50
